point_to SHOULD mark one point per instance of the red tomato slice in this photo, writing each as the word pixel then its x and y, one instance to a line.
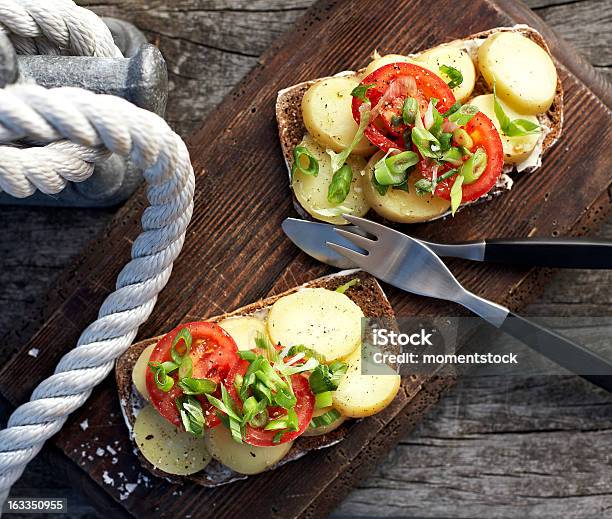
pixel 213 353
pixel 485 136
pixel 405 79
pixel 304 407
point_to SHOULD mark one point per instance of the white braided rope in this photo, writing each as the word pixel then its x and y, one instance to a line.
pixel 51 27
pixel 99 123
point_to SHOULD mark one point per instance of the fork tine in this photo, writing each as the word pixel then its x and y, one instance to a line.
pixel 361 241
pixel 356 257
pixel 373 228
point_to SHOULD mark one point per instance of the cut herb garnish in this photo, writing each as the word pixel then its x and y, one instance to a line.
pixel 426 143
pixel 304 162
pixel 410 110
pixel 342 289
pixel 455 76
pixel 360 91
pixel 340 185
pixel 325 419
pixel 391 171
pixel 181 345
pixel 338 159
pixel 463 115
pixel 326 378
pixel 308 352
pixel 515 128
pixel 424 186
pixel 456 194
pixel 191 413
pixel 197 386
pixel 160 375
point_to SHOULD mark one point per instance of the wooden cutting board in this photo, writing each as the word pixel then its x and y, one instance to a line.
pixel 236 253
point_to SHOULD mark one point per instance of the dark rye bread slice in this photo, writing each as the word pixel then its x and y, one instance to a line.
pixel 291 127
pixel 367 294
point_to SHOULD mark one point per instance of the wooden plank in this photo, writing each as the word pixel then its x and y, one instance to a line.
pixel 413 304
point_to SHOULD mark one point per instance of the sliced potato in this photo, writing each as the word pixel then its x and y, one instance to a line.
pixel 242 457
pixel 244 330
pixel 381 61
pixel 168 448
pixel 524 74
pixel 516 149
pixel 364 395
pixel 311 192
pixel 139 372
pixel 328 114
pixel 401 206
pixel 321 319
pixel 455 57
pixel 318 431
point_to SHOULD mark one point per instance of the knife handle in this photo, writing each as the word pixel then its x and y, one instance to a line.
pixel 568 354
pixel 543 252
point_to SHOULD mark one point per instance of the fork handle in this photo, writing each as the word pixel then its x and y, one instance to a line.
pixel 568 354
pixel 543 252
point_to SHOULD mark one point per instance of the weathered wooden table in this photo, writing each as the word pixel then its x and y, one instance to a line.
pixel 510 447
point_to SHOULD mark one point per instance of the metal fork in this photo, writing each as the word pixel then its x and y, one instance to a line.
pixel 412 266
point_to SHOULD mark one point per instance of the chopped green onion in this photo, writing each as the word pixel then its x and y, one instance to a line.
pixel 308 352
pixel 292 420
pixel 323 400
pixel 456 194
pixel 342 289
pixel 426 143
pixel 186 367
pixel 392 170
pixel 474 166
pixel 247 355
pixel 340 185
pixel 326 378
pixel 338 159
pixel 238 381
pixel 325 419
pixel 260 419
pixel 462 138
pixel 360 91
pixel 304 162
pixel 183 335
pixel 410 110
pixel 235 427
pixel 516 128
pixel 225 405
pixel 290 369
pixel 262 342
pixel 338 369
pixel 455 76
pixel 160 376
pixel 445 141
pixel 434 118
pixel 382 190
pixel 197 386
pixel 456 106
pixel 285 398
pixel 263 392
pixel 424 186
pixel 191 414
pixel 453 156
pixel 464 115
pixel 276 424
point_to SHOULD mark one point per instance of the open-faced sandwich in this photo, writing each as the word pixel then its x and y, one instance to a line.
pixel 238 394
pixel 413 137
